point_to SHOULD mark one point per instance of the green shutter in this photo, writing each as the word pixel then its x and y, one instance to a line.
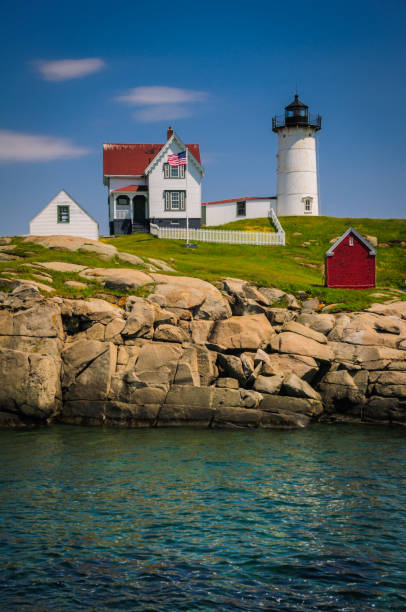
pixel 182 200
pixel 167 200
pixel 166 170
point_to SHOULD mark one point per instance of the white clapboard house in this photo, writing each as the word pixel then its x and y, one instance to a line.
pixel 65 217
pixel 225 211
pixel 143 188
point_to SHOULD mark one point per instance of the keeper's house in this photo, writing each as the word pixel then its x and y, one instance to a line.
pixel 144 188
pixel 351 262
pixel 225 211
pixel 63 216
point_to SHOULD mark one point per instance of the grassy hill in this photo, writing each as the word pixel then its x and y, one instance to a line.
pixel 297 266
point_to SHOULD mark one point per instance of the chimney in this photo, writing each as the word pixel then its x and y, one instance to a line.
pixel 169 133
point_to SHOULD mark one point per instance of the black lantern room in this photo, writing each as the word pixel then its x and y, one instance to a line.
pixel 296 114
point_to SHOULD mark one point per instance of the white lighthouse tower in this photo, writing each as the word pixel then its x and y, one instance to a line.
pixel 297 168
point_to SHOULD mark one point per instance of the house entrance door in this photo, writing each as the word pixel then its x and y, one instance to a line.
pixel 139 210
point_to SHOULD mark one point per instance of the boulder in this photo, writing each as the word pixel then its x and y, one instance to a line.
pixel 282 404
pixel 379 409
pixel 279 316
pixel 140 320
pixel 118 278
pixel 43 320
pixel 302 330
pixel 389 384
pixel 88 366
pixel 206 364
pixel 75 284
pixel 243 333
pixel 185 406
pixel 283 420
pixel 298 344
pixel 225 397
pixel 162 265
pixel 30 383
pixel 130 258
pixel 304 367
pixel 187 372
pixel 74 243
pixel 310 305
pixel 227 383
pixel 296 387
pixel 338 389
pixel 322 323
pixel 397 309
pixel 185 292
pixel 271 294
pixel 231 366
pixel 120 414
pixel 227 417
pixel 91 310
pixel 170 333
pixel 200 331
pixel 61 266
pixel 269 384
pixel 213 309
pixel 154 356
pixel 250 399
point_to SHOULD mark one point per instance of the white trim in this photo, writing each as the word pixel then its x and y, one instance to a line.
pixel 73 200
pixel 365 242
pixel 162 152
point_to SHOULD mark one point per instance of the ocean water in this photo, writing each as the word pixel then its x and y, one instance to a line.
pixel 187 519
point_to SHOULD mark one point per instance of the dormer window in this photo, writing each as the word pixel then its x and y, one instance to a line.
pixel 174 171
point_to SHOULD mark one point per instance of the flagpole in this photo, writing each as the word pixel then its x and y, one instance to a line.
pixel 186 201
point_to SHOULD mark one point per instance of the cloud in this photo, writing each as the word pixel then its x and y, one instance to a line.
pixel 142 96
pixel 20 147
pixel 162 103
pixel 62 70
pixel 162 113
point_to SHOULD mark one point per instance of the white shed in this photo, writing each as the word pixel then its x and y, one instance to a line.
pixel 63 216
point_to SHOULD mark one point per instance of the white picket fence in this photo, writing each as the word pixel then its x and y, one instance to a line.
pixel 226 236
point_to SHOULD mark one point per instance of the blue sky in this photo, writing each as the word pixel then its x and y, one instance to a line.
pixel 225 68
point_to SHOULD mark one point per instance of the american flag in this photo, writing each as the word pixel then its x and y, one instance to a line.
pixel 177 159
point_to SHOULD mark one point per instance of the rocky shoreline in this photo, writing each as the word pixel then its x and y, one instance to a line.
pixel 192 354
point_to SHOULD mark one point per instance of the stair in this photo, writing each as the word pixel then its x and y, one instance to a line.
pixel 139 228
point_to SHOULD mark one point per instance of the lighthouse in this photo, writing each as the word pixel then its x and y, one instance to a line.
pixel 297 192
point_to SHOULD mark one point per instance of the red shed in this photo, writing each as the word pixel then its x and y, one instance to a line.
pixel 351 262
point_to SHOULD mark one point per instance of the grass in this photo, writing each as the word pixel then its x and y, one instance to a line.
pixel 296 267
pixel 31 253
pixel 246 225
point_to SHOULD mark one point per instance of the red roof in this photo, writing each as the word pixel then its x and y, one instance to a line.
pixel 130 188
pixel 238 200
pixel 133 159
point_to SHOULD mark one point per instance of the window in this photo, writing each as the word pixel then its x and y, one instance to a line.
pixel 351 241
pixel 308 205
pixel 63 214
pixel 241 209
pixel 122 203
pixel 174 171
pixel 175 200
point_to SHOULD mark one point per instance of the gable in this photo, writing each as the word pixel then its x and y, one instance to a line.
pixel 367 246
pixel 63 199
pixel 133 159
